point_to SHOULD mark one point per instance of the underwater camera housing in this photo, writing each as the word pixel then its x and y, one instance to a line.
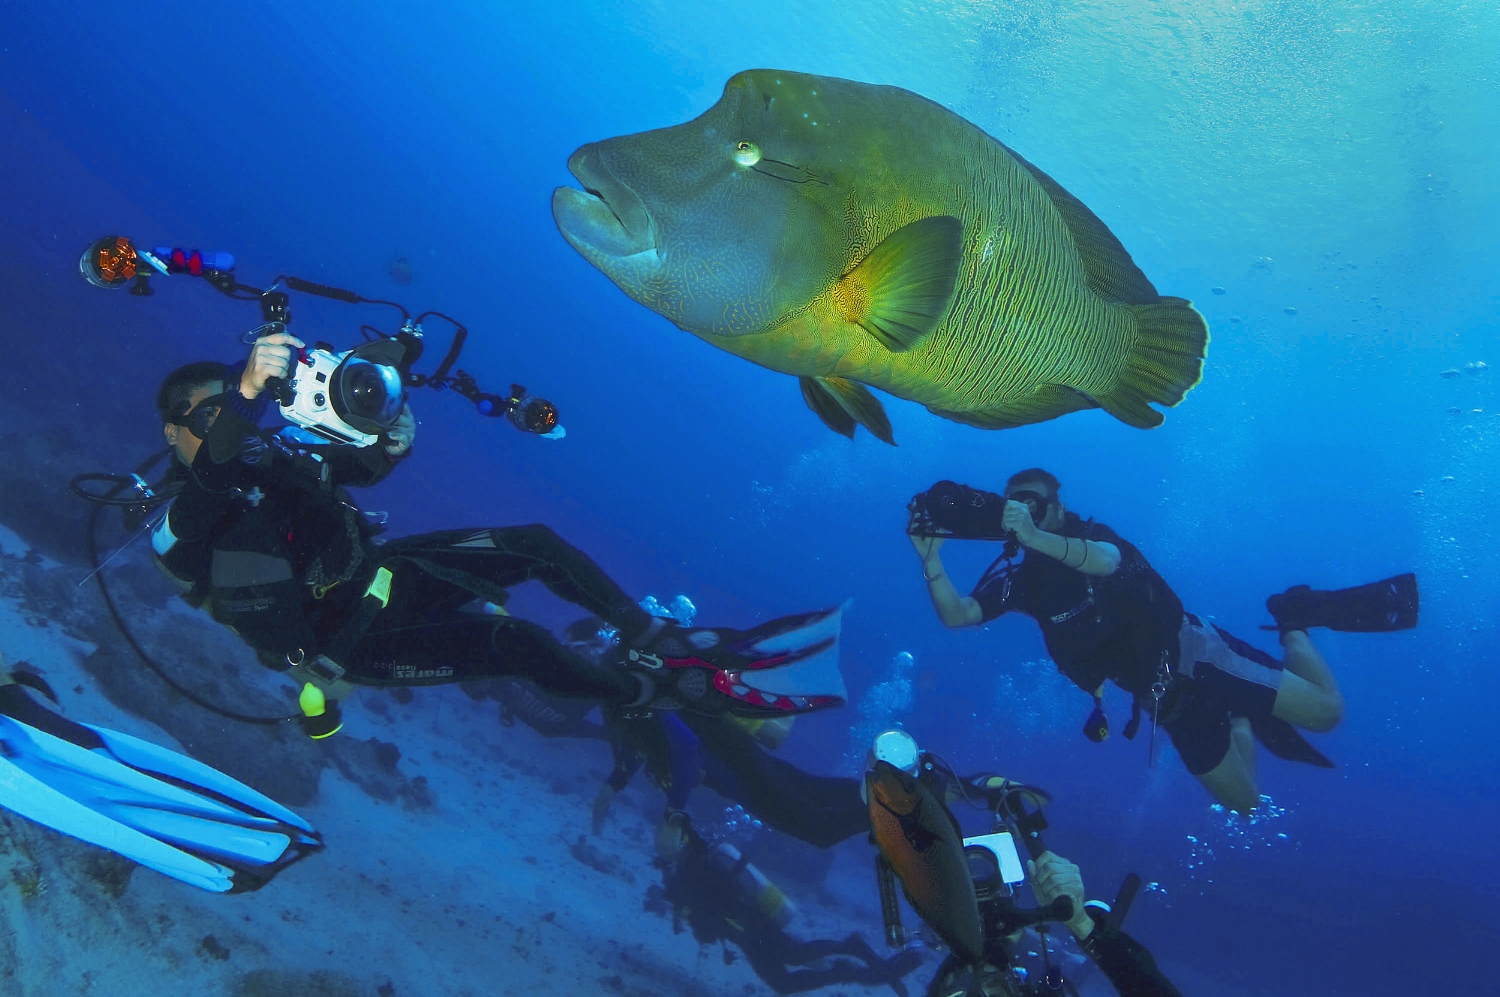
pixel 349 398
pixel 994 863
pixel 949 509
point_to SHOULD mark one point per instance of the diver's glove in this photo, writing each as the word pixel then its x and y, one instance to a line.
pixel 321 716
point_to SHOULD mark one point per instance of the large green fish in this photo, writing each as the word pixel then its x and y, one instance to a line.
pixel 854 235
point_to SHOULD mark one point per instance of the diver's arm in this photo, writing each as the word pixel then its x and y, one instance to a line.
pixel 1125 961
pixel 1053 876
pixel 271 356
pixel 362 467
pixel 1091 557
pixel 953 609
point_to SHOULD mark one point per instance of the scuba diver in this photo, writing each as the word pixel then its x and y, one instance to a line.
pixel 964 889
pixel 726 899
pixel 730 755
pixel 264 534
pixel 1106 614
pixel 153 806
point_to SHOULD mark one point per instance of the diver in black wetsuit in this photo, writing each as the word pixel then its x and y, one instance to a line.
pixel 730 755
pixel 263 533
pixel 1107 615
pixel 681 751
pixel 723 899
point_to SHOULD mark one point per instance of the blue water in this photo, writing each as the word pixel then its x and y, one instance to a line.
pixel 1331 165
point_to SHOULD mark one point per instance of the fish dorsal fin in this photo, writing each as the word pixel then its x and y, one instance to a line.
pixel 899 292
pixel 842 404
pixel 1107 267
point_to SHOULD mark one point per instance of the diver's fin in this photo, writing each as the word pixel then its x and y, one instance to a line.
pixel 1163 366
pixel 1285 741
pixel 1047 401
pixel 900 291
pixel 842 404
pixel 1107 267
pixel 780 668
pixel 795 657
pixel 1379 607
pixel 153 806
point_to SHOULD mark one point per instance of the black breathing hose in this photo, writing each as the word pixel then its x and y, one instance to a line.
pixel 100 503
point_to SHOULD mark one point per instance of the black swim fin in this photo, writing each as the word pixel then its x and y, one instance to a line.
pixel 1379 607
pixel 1285 741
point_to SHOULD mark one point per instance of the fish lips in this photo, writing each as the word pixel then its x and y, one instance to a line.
pixel 606 221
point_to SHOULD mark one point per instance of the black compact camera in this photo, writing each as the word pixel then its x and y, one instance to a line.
pixel 949 509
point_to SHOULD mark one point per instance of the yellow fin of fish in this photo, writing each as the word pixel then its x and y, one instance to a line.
pixel 1047 401
pixel 842 404
pixel 1108 269
pixel 899 292
pixel 1166 362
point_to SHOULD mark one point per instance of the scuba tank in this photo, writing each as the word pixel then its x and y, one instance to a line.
pixel 752 885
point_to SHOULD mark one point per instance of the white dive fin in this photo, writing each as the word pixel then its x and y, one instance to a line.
pixel 812 668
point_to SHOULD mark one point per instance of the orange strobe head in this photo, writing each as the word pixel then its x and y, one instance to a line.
pixel 110 262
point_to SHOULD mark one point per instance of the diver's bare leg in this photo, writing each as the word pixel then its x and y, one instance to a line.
pixel 1232 781
pixel 1309 696
pixel 1242 738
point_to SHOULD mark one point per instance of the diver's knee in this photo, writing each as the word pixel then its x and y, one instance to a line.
pixel 1241 797
pixel 1243 803
pixel 1329 714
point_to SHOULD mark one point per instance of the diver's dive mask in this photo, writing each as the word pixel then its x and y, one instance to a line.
pixel 200 417
pixel 1035 502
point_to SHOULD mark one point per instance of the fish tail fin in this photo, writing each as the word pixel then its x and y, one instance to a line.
pixel 1166 363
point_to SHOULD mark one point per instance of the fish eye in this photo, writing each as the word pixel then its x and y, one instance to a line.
pixel 746 153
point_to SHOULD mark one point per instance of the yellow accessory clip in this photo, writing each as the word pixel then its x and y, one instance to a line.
pixel 380 586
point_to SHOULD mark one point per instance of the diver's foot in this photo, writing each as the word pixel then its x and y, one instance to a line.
pixel 694 685
pixel 666 639
pixel 668 685
pixel 1294 609
pixel 781 668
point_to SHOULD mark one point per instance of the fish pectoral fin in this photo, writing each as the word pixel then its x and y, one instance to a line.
pixel 827 408
pixel 1046 401
pixel 843 404
pixel 899 292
